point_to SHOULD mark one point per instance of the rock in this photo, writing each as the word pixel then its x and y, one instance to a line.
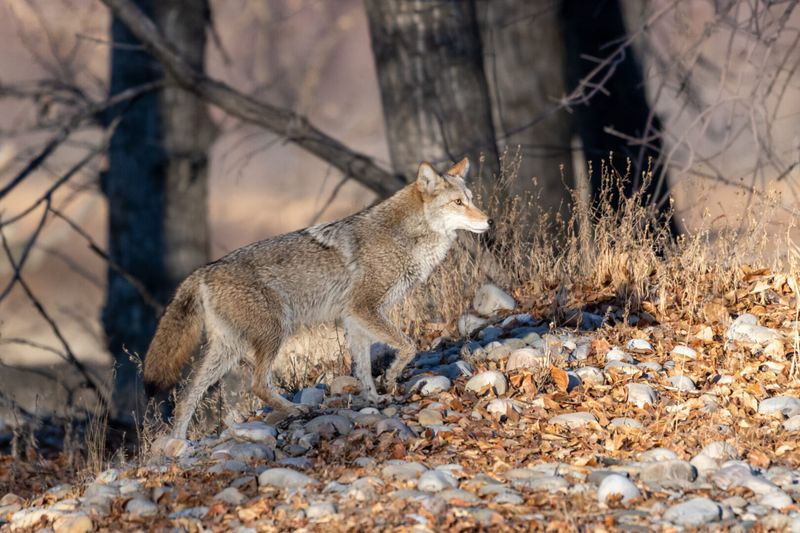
pixel 640 346
pixel 746 329
pixel 252 431
pixel 591 375
pixel 738 474
pixel 490 333
pixel 230 465
pixel 683 352
pixel 468 323
pixel 244 452
pixel 695 512
pixel 489 378
pixel 788 405
pixel 141 508
pixel 508 496
pixel 664 473
pixel 713 455
pixel 403 470
pixel 363 489
pixel 650 366
pixel 615 354
pixel 342 385
pixel 311 396
pixel 527 358
pixel 230 495
pixel 682 383
pixel 641 394
pixel 329 426
pixel 775 350
pixel 621 368
pixel 490 298
pixel 657 454
pixel 429 417
pixel 618 487
pixel 436 481
pixel 573 420
pixel 320 511
pixel 97 490
pixel 76 523
pixel 453 370
pixel 395 425
pixel 458 497
pixel 792 423
pixel 430 385
pixel 195 513
pixel 285 478
pixel 543 483
pixel 500 407
pixel 626 422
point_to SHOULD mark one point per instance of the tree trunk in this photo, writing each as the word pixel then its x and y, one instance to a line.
pixel 156 186
pixel 593 31
pixel 524 56
pixel 435 97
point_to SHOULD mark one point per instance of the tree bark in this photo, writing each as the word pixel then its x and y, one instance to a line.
pixel 524 56
pixel 156 186
pixel 593 30
pixel 430 71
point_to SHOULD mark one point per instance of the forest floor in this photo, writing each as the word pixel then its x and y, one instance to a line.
pixel 632 421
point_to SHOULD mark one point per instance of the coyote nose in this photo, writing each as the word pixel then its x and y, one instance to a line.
pixel 490 222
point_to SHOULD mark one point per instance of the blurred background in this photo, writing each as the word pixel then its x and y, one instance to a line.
pixel 120 172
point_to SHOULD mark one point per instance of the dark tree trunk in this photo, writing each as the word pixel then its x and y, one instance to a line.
pixel 593 30
pixel 430 71
pixel 156 186
pixel 524 56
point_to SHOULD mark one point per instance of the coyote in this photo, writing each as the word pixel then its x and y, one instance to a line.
pixel 349 272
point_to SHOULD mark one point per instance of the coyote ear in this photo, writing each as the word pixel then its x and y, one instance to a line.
pixel 427 178
pixel 460 169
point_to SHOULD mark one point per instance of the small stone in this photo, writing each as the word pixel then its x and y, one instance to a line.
pixel 244 451
pixel 682 383
pixel 664 472
pixel 650 366
pixel 573 420
pixel 615 354
pixel 320 511
pixel 621 368
pixel 617 486
pixel 311 396
pixel 458 497
pixel 431 385
pixel 657 454
pixel 501 406
pixel 77 523
pixel 468 323
pixel 141 508
pixel 626 422
pixel 640 346
pixel 527 358
pixel 436 481
pixel 713 455
pixel 490 298
pixel 683 352
pixel 775 350
pixel 285 478
pixel 329 426
pixel 230 495
pixel 792 423
pixel 230 465
pixel 489 378
pixel 705 334
pixel 195 513
pixel 591 375
pixel 788 405
pixel 508 496
pixel 403 470
pixel 641 394
pixel 252 431
pixel 429 417
pixel 543 483
pixel 695 512
pixel 394 425
pixel 342 385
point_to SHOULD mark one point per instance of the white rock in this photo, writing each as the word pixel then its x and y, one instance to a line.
pixel 500 406
pixel 591 375
pixel 468 323
pixel 792 423
pixel 618 487
pixel 490 298
pixel 682 383
pixel 252 431
pixel 664 472
pixel 497 380
pixel 788 405
pixel 695 512
pixel 285 478
pixel 311 396
pixel 625 422
pixel 657 454
pixel 640 346
pixel 431 385
pixel 650 366
pixel 436 481
pixel 621 367
pixel 641 394
pixel 74 523
pixel 527 358
pixel 230 495
pixel 684 352
pixel 713 455
pixel 320 511
pixel 573 420
pixel 329 426
pixel 403 470
pixel 141 507
pixel 615 354
pixel 746 329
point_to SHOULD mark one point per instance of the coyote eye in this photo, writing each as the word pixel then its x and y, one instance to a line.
pixel 459 202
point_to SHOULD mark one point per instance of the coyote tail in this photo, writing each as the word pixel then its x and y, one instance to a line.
pixel 177 335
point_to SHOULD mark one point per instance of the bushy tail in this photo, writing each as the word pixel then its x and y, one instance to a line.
pixel 177 335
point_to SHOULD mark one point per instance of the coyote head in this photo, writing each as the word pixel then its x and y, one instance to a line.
pixel 447 200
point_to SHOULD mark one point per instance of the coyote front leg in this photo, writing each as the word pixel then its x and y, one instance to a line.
pixel 378 326
pixel 359 342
